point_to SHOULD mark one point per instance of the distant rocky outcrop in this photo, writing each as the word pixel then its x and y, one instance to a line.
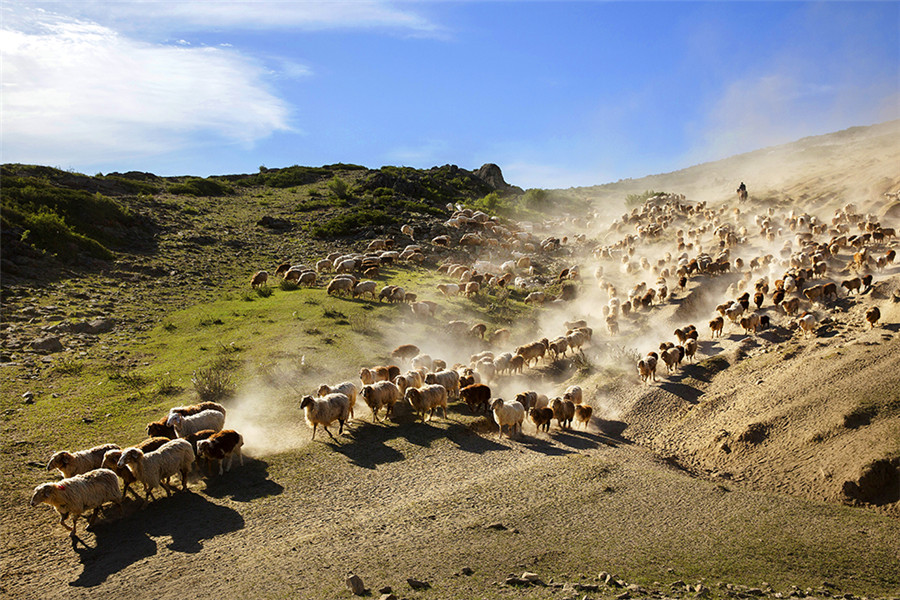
pixel 493 176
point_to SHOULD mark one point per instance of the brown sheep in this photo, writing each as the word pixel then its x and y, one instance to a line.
pixel 541 418
pixel 583 414
pixel 790 306
pixel 259 278
pixel 716 325
pixel 405 352
pixel 872 316
pixel 477 396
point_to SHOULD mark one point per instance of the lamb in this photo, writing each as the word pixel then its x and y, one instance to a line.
pixel 193 409
pixel 326 410
pixel 207 419
pixel 750 323
pixel 790 306
pixel 221 445
pixel 672 357
pixel 583 413
pixel 428 397
pixel 690 349
pixel 70 464
pixel 448 289
pixel 872 316
pixel 153 469
pixel 448 379
pixel 508 413
pixel 78 494
pixel 852 285
pixel 476 396
pixel 716 325
pixel 382 393
pixel 541 418
pixel 563 412
pixel 348 388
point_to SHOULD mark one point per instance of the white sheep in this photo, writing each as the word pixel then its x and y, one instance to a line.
pixel 78 494
pixel 153 469
pixel 427 398
pixel 381 393
pixel 348 388
pixel 325 411
pixel 509 413
pixel 76 463
pixel 574 394
pixel 185 426
pixel 808 323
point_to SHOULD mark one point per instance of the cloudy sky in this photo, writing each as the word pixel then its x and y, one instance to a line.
pixel 557 93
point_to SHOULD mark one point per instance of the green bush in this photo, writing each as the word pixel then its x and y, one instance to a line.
pixel 635 200
pixel 339 187
pixel 350 223
pixel 213 383
pixel 194 186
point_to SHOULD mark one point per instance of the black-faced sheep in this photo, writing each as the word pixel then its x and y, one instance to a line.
pixel 508 413
pixel 427 398
pixel 325 411
pixel 70 464
pixel 153 469
pixel 221 445
pixel 79 494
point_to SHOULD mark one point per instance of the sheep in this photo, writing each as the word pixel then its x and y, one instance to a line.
pixel 153 469
pixel 348 388
pixel 472 289
pixel 533 351
pixel 750 323
pixel 160 429
pixel 193 409
pixel 259 278
pixel 535 298
pixel 852 285
pixel 326 410
pixel 70 464
pixel 690 349
pixel 337 286
pixel 672 357
pixel 221 445
pixel 647 367
pixel 872 316
pixel 808 323
pixel 541 418
pixel 574 394
pixel 405 352
pixel 448 289
pixel 207 419
pixel 448 379
pixel 364 287
pixel 476 396
pixel 78 494
pixel 111 462
pixel 382 393
pixel 563 412
pixel 509 413
pixel 428 397
pixel 583 413
pixel 790 306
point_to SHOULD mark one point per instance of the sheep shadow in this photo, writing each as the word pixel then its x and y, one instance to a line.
pixel 687 393
pixel 243 483
pixel 895 327
pixel 577 440
pixel 543 445
pixel 186 518
pixel 611 431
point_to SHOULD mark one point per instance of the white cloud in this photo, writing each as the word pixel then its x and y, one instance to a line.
pixel 260 14
pixel 76 91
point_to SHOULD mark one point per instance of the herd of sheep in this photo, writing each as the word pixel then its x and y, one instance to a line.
pixel 691 243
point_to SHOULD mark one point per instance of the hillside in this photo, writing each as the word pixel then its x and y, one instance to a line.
pixel 766 466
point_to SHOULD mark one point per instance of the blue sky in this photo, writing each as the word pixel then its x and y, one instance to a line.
pixel 558 94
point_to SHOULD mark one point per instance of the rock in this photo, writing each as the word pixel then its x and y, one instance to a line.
pixel 497 526
pixel 529 576
pixel 386 590
pixel 28 397
pixel 356 585
pixel 466 571
pixel 587 587
pixel 103 325
pixel 516 581
pixel 417 585
pixel 387 597
pixel 48 344
pixel 275 223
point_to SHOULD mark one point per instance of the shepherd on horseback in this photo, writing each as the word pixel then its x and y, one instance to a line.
pixel 742 192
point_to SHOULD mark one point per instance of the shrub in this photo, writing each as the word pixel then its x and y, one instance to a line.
pixel 635 200
pixel 194 186
pixel 350 223
pixel 214 382
pixel 339 187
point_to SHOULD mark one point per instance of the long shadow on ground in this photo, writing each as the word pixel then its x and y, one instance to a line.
pixel 187 518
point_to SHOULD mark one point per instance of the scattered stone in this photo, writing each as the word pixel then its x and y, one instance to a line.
pixel 516 581
pixel 497 526
pixel 624 596
pixel 87 420
pixel 48 344
pixel 587 587
pixel 466 571
pixel 356 585
pixel 417 585
pixel 529 576
pixel 387 597
pixel 28 397
pixel 386 590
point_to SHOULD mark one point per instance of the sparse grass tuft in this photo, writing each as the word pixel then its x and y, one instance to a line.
pixel 214 383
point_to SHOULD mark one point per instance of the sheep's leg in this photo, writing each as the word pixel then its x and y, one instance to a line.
pixel 315 425
pixel 240 456
pixel 340 427
pixel 93 518
pixel 184 478
pixel 74 525
pixel 62 520
pixel 325 427
pixel 221 472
